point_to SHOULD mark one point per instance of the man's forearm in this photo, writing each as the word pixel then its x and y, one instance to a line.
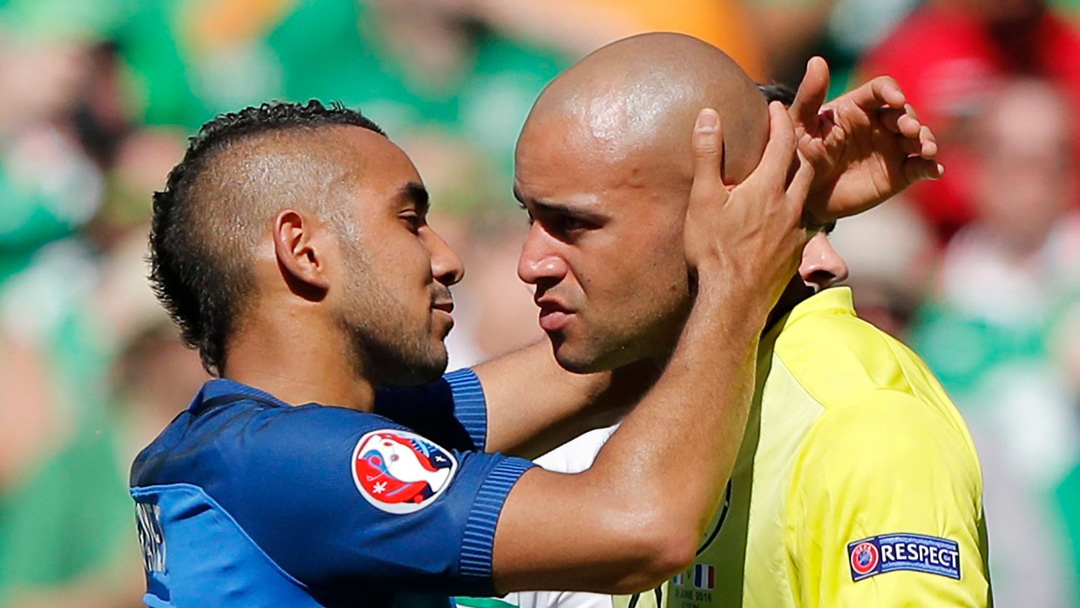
pixel 716 356
pixel 534 405
pixel 636 517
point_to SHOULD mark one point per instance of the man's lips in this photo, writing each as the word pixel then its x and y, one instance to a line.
pixel 553 315
pixel 444 308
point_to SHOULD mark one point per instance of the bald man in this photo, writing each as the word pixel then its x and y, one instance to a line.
pixel 857 482
pixel 292 249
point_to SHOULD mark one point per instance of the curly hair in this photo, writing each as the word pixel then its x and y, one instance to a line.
pixel 191 274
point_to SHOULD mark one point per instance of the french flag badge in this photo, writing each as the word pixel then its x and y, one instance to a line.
pixel 704 576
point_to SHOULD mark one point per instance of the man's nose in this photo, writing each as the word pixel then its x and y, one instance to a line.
pixel 539 262
pixel 446 266
pixel 821 265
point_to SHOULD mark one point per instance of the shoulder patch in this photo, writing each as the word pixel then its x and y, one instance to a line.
pixel 915 552
pixel 400 472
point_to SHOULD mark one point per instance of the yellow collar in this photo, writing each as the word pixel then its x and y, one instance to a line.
pixel 837 300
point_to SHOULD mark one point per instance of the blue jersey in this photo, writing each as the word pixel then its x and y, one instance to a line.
pixel 244 500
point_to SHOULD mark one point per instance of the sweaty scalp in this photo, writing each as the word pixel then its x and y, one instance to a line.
pixel 641 96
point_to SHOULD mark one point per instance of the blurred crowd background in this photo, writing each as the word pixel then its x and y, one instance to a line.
pixel 979 272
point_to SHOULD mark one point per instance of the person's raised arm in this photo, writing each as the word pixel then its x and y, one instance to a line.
pixel 636 516
pixel 531 417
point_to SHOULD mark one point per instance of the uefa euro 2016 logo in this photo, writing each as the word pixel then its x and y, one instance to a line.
pixel 864 559
pixel 400 472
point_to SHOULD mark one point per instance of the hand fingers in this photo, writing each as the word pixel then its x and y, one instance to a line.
pixel 927 142
pixel 925 145
pixel 881 92
pixel 911 146
pixel 708 147
pixel 799 188
pixel 890 118
pixel 812 92
pixel 903 121
pixel 909 125
pixel 886 92
pixel 919 139
pixel 779 151
pixel 917 169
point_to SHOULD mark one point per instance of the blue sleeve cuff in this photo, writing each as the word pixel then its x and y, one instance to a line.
pixel 470 407
pixel 479 537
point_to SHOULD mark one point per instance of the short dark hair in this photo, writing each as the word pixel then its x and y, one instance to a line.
pixel 187 272
pixel 778 92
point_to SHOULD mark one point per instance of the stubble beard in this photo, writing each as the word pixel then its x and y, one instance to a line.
pixel 384 346
pixel 393 361
pixel 653 337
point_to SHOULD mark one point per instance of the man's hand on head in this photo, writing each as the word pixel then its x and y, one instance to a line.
pixel 866 146
pixel 747 239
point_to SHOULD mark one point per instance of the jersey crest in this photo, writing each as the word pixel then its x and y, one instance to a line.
pixel 865 558
pixel 400 472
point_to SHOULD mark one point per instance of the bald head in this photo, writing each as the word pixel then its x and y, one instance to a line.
pixel 604 167
pixel 638 98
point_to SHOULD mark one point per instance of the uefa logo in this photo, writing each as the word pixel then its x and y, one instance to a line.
pixel 864 558
pixel 400 472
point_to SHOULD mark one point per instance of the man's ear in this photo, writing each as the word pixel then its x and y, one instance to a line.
pixel 301 248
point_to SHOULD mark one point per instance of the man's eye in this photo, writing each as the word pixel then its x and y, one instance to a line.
pixel 414 221
pixel 567 224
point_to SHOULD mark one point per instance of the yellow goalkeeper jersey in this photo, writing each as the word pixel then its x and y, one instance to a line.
pixel 857 484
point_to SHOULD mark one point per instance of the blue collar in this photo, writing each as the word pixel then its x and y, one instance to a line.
pixel 220 389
